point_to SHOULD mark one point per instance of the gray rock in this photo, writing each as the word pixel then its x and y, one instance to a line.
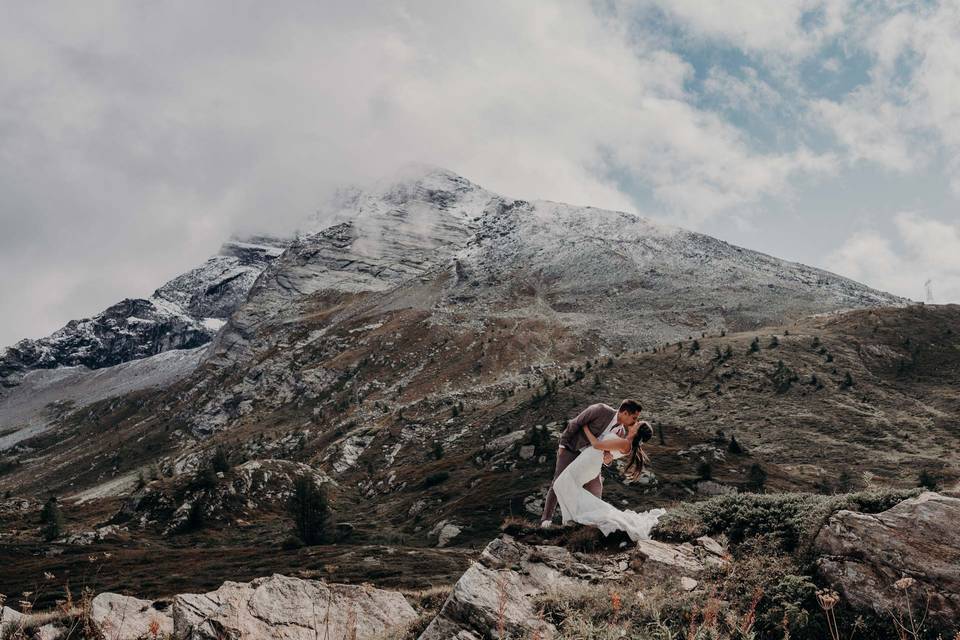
pixel 505 442
pixel 50 632
pixel 291 608
pixel 126 618
pixel 511 574
pixel 688 584
pixel 444 532
pixel 9 619
pixel 526 452
pixel 711 545
pixel 864 555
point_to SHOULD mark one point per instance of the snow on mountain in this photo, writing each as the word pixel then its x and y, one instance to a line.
pixel 443 243
pixel 182 314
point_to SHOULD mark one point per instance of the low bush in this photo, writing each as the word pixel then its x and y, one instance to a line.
pixel 789 518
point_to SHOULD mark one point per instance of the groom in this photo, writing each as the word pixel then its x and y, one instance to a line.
pixel 599 418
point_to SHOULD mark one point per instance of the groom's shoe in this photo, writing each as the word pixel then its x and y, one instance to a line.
pixel 546 524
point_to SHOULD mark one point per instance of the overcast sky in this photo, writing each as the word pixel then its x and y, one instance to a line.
pixel 136 136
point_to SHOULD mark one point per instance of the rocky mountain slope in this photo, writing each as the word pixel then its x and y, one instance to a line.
pixel 182 314
pixel 423 349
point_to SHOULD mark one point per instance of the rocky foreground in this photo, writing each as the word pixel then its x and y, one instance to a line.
pixel 872 564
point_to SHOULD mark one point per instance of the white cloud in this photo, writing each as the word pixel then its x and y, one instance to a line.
pixel 748 93
pixel 909 111
pixel 930 251
pixel 871 130
pixel 788 27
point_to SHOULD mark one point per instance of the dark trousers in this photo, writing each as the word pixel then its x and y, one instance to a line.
pixel 564 458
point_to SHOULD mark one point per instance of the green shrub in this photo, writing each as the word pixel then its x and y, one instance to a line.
pixel 790 518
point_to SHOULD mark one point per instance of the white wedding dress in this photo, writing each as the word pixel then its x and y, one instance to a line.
pixel 579 505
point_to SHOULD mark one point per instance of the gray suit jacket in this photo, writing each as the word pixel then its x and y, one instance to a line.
pixel 596 417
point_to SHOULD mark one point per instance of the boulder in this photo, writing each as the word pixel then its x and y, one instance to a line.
pixel 865 556
pixel 127 618
pixel 510 574
pixel 9 619
pixel 289 608
pixel 444 532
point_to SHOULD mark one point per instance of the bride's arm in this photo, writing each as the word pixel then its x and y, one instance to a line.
pixel 610 444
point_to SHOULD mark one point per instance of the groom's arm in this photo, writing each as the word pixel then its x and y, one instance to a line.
pixel 571 434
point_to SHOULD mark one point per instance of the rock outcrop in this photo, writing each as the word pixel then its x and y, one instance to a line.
pixel 289 608
pixel 866 557
pixel 127 618
pixel 500 587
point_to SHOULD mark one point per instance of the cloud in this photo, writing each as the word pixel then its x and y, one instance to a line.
pixel 908 114
pixel 930 251
pixel 135 137
pixel 748 93
pixel 794 28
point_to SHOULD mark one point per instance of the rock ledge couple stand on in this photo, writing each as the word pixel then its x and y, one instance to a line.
pixel 597 436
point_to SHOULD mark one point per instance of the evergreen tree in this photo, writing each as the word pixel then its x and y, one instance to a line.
pixel 734 446
pixel 312 517
pixel 52 519
pixel 221 459
pixel 927 480
pixel 756 477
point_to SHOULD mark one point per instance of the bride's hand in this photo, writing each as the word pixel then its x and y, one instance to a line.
pixel 592 438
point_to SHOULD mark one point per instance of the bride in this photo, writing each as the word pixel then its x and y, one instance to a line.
pixel 579 505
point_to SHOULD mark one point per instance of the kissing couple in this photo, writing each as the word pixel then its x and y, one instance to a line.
pixel 596 437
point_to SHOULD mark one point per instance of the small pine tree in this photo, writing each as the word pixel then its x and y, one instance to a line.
pixel 52 519
pixel 455 411
pixel 755 345
pixel 609 362
pixel 927 480
pixel 221 459
pixel 728 353
pixel 705 470
pixel 695 347
pixel 660 434
pixel 734 446
pixel 313 520
pixel 847 381
pixel 756 477
pixel 774 342
pixel 845 481
pixel 437 450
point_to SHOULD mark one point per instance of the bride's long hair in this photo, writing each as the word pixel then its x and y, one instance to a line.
pixel 638 457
